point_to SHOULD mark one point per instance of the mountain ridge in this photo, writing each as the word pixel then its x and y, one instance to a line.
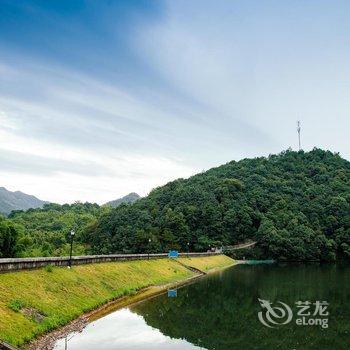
pixel 17 200
pixel 129 199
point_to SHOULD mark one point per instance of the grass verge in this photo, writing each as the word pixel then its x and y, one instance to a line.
pixel 207 263
pixel 35 302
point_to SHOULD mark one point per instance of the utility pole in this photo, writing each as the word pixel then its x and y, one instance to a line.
pixel 298 129
pixel 72 233
pixel 149 246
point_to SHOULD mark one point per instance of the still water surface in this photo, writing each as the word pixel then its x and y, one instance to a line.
pixel 220 312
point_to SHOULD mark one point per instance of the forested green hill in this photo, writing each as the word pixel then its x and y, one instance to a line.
pixel 295 204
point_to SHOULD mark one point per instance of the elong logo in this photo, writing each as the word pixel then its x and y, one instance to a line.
pixel 282 314
pixel 274 315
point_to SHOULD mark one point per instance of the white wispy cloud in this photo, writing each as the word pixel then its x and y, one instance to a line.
pixel 198 85
pixel 80 139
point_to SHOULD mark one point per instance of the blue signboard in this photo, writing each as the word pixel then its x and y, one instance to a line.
pixel 172 293
pixel 173 254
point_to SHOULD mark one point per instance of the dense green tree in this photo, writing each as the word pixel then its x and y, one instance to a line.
pixel 8 238
pixel 45 232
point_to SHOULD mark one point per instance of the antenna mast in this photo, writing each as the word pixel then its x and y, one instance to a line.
pixel 298 129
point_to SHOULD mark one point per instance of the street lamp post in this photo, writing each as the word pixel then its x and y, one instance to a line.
pixel 72 233
pixel 188 249
pixel 149 246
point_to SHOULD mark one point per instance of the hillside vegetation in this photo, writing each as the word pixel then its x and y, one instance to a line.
pixel 46 231
pixel 295 204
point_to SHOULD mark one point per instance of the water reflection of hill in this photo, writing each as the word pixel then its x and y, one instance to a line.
pixel 220 311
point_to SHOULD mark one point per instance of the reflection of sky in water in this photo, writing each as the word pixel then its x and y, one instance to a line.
pixel 122 330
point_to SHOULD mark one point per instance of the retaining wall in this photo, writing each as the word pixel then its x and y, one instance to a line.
pixel 14 264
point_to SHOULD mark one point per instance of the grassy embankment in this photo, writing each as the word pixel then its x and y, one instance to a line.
pixel 34 302
pixel 207 263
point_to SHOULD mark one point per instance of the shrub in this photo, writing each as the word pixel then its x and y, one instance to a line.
pixel 16 305
pixel 48 268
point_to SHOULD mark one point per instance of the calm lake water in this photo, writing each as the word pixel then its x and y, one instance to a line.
pixel 221 310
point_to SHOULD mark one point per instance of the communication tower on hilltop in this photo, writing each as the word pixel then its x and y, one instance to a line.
pixel 298 129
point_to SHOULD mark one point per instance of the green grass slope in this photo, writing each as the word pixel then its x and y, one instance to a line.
pixel 34 302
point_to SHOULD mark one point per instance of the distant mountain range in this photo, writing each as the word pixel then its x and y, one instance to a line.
pixel 129 198
pixel 17 201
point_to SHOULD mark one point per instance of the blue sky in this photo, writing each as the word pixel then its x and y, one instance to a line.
pixel 101 98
